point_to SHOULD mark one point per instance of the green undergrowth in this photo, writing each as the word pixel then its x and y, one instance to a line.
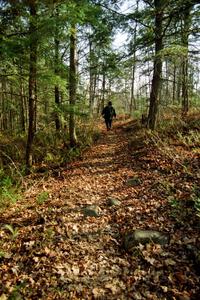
pixel 50 150
pixel 176 126
pixel 174 149
pixel 9 190
pixel 178 141
pixel 174 136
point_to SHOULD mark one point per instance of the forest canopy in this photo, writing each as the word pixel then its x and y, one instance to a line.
pixel 60 62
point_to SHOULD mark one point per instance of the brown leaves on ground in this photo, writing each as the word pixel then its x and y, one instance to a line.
pixel 51 250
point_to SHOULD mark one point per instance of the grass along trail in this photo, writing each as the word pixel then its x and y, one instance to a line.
pixel 69 239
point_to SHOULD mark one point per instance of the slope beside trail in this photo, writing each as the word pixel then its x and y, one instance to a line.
pixel 60 253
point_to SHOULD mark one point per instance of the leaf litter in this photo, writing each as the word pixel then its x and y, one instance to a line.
pixel 58 252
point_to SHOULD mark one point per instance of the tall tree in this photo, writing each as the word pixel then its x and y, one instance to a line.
pixel 56 69
pixel 185 42
pixel 132 98
pixel 32 81
pixel 157 66
pixel 72 86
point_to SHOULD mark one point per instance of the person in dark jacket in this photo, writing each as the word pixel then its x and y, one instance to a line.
pixel 109 113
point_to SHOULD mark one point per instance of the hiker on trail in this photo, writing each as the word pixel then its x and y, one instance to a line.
pixel 109 113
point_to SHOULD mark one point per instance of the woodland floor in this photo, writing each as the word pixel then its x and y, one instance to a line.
pixel 55 252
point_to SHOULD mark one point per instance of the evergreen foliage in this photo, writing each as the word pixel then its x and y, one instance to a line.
pixel 35 62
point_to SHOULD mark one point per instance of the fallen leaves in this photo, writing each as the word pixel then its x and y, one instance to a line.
pixel 58 253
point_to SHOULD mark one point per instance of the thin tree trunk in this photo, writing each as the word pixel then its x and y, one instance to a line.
pixel 103 89
pixel 4 113
pixel 185 35
pixel 91 87
pixel 174 84
pixel 157 70
pixel 56 88
pixel 133 100
pixel 57 102
pixel 98 96
pixel 21 92
pixel 22 116
pixel 32 83
pixel 56 70
pixel 11 112
pixel 179 81
pixel 167 97
pixel 94 88
pixel 1 105
pixel 72 87
pixel 185 100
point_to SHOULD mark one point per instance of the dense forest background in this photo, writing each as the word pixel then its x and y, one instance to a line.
pixel 61 61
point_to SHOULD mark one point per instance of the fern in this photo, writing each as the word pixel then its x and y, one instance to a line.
pixel 13 231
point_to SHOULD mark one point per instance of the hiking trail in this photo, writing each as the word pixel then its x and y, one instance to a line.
pixel 70 246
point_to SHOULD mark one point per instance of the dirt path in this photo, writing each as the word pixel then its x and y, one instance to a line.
pixel 59 253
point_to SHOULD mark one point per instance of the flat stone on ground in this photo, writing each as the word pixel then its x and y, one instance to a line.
pixel 134 181
pixel 91 211
pixel 138 236
pixel 113 202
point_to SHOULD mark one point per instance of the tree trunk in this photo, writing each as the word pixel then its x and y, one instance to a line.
pixel 72 87
pixel 185 100
pixel 132 100
pixel 92 80
pixel 4 105
pixel 103 90
pixel 157 70
pixel 21 92
pixel 166 101
pixel 94 88
pixel 57 102
pixel 98 96
pixel 56 70
pixel 1 105
pixel 11 112
pixel 32 83
pixel 179 80
pixel 174 84
pixel 185 35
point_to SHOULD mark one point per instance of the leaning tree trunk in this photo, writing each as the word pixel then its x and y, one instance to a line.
pixel 32 83
pixel 157 69
pixel 72 87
